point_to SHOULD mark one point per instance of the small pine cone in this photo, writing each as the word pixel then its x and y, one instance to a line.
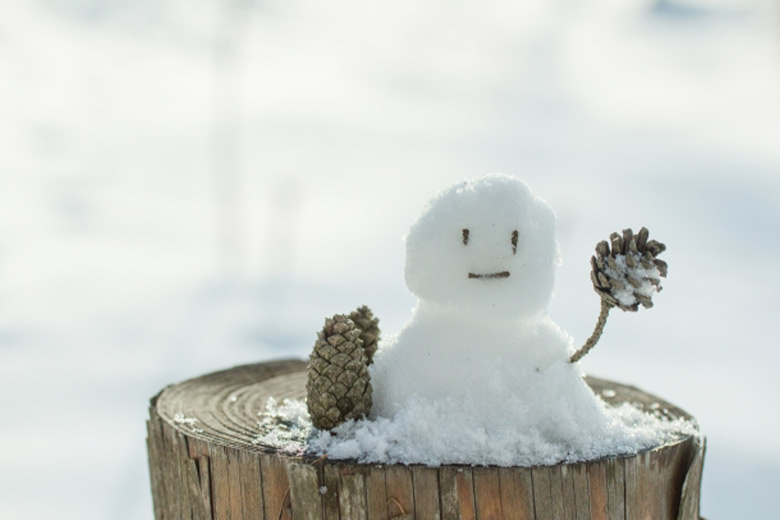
pixel 338 387
pixel 625 271
pixel 369 327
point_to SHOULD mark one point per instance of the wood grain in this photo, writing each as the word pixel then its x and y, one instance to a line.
pixel 400 492
pixel 597 484
pixel 352 494
pixel 579 474
pixel 329 477
pixel 305 498
pixel 276 488
pixel 517 494
pixel 616 505
pixel 487 491
pixel 543 497
pixel 566 502
pixel 456 485
pixel 251 484
pixel 426 492
pixel 376 493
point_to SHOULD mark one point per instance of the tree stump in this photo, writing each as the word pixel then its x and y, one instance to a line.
pixel 204 465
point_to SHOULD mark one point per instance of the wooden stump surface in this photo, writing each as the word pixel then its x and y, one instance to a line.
pixel 205 464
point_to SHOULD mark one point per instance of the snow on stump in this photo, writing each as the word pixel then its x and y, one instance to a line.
pixel 205 463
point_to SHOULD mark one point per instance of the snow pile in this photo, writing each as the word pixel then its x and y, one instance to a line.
pixel 643 279
pixel 428 433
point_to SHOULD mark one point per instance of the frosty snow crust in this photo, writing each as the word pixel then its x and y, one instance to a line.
pixel 412 437
pixel 481 374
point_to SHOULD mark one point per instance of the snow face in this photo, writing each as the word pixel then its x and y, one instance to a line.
pixel 487 246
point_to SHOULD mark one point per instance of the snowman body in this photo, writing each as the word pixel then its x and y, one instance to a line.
pixel 467 358
pixel 481 259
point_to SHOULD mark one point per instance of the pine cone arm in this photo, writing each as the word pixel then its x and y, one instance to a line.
pixel 625 273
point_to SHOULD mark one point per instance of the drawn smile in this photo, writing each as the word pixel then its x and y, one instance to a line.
pixel 502 274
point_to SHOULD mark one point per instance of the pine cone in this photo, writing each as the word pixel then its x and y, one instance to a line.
pixel 369 326
pixel 628 273
pixel 338 388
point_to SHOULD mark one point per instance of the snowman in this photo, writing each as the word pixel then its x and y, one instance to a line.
pixel 481 260
pixel 480 374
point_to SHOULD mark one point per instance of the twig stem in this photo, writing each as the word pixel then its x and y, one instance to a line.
pixel 398 504
pixel 594 338
pixel 284 502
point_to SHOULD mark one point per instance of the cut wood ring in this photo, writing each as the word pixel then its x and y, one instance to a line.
pixel 205 464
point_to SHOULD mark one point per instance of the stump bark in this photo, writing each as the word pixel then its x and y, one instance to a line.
pixel 204 465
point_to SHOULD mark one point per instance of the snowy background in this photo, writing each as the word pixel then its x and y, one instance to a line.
pixel 190 185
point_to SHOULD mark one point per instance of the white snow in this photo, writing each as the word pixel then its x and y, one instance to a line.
pixel 283 425
pixel 642 276
pixel 429 433
pixel 481 259
pixel 480 375
pixel 191 422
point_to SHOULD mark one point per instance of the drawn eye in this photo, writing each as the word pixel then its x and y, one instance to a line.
pixel 465 237
pixel 514 242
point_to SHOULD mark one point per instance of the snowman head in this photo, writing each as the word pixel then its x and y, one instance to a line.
pixel 485 246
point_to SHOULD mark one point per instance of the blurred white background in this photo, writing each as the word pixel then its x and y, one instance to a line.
pixel 191 185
